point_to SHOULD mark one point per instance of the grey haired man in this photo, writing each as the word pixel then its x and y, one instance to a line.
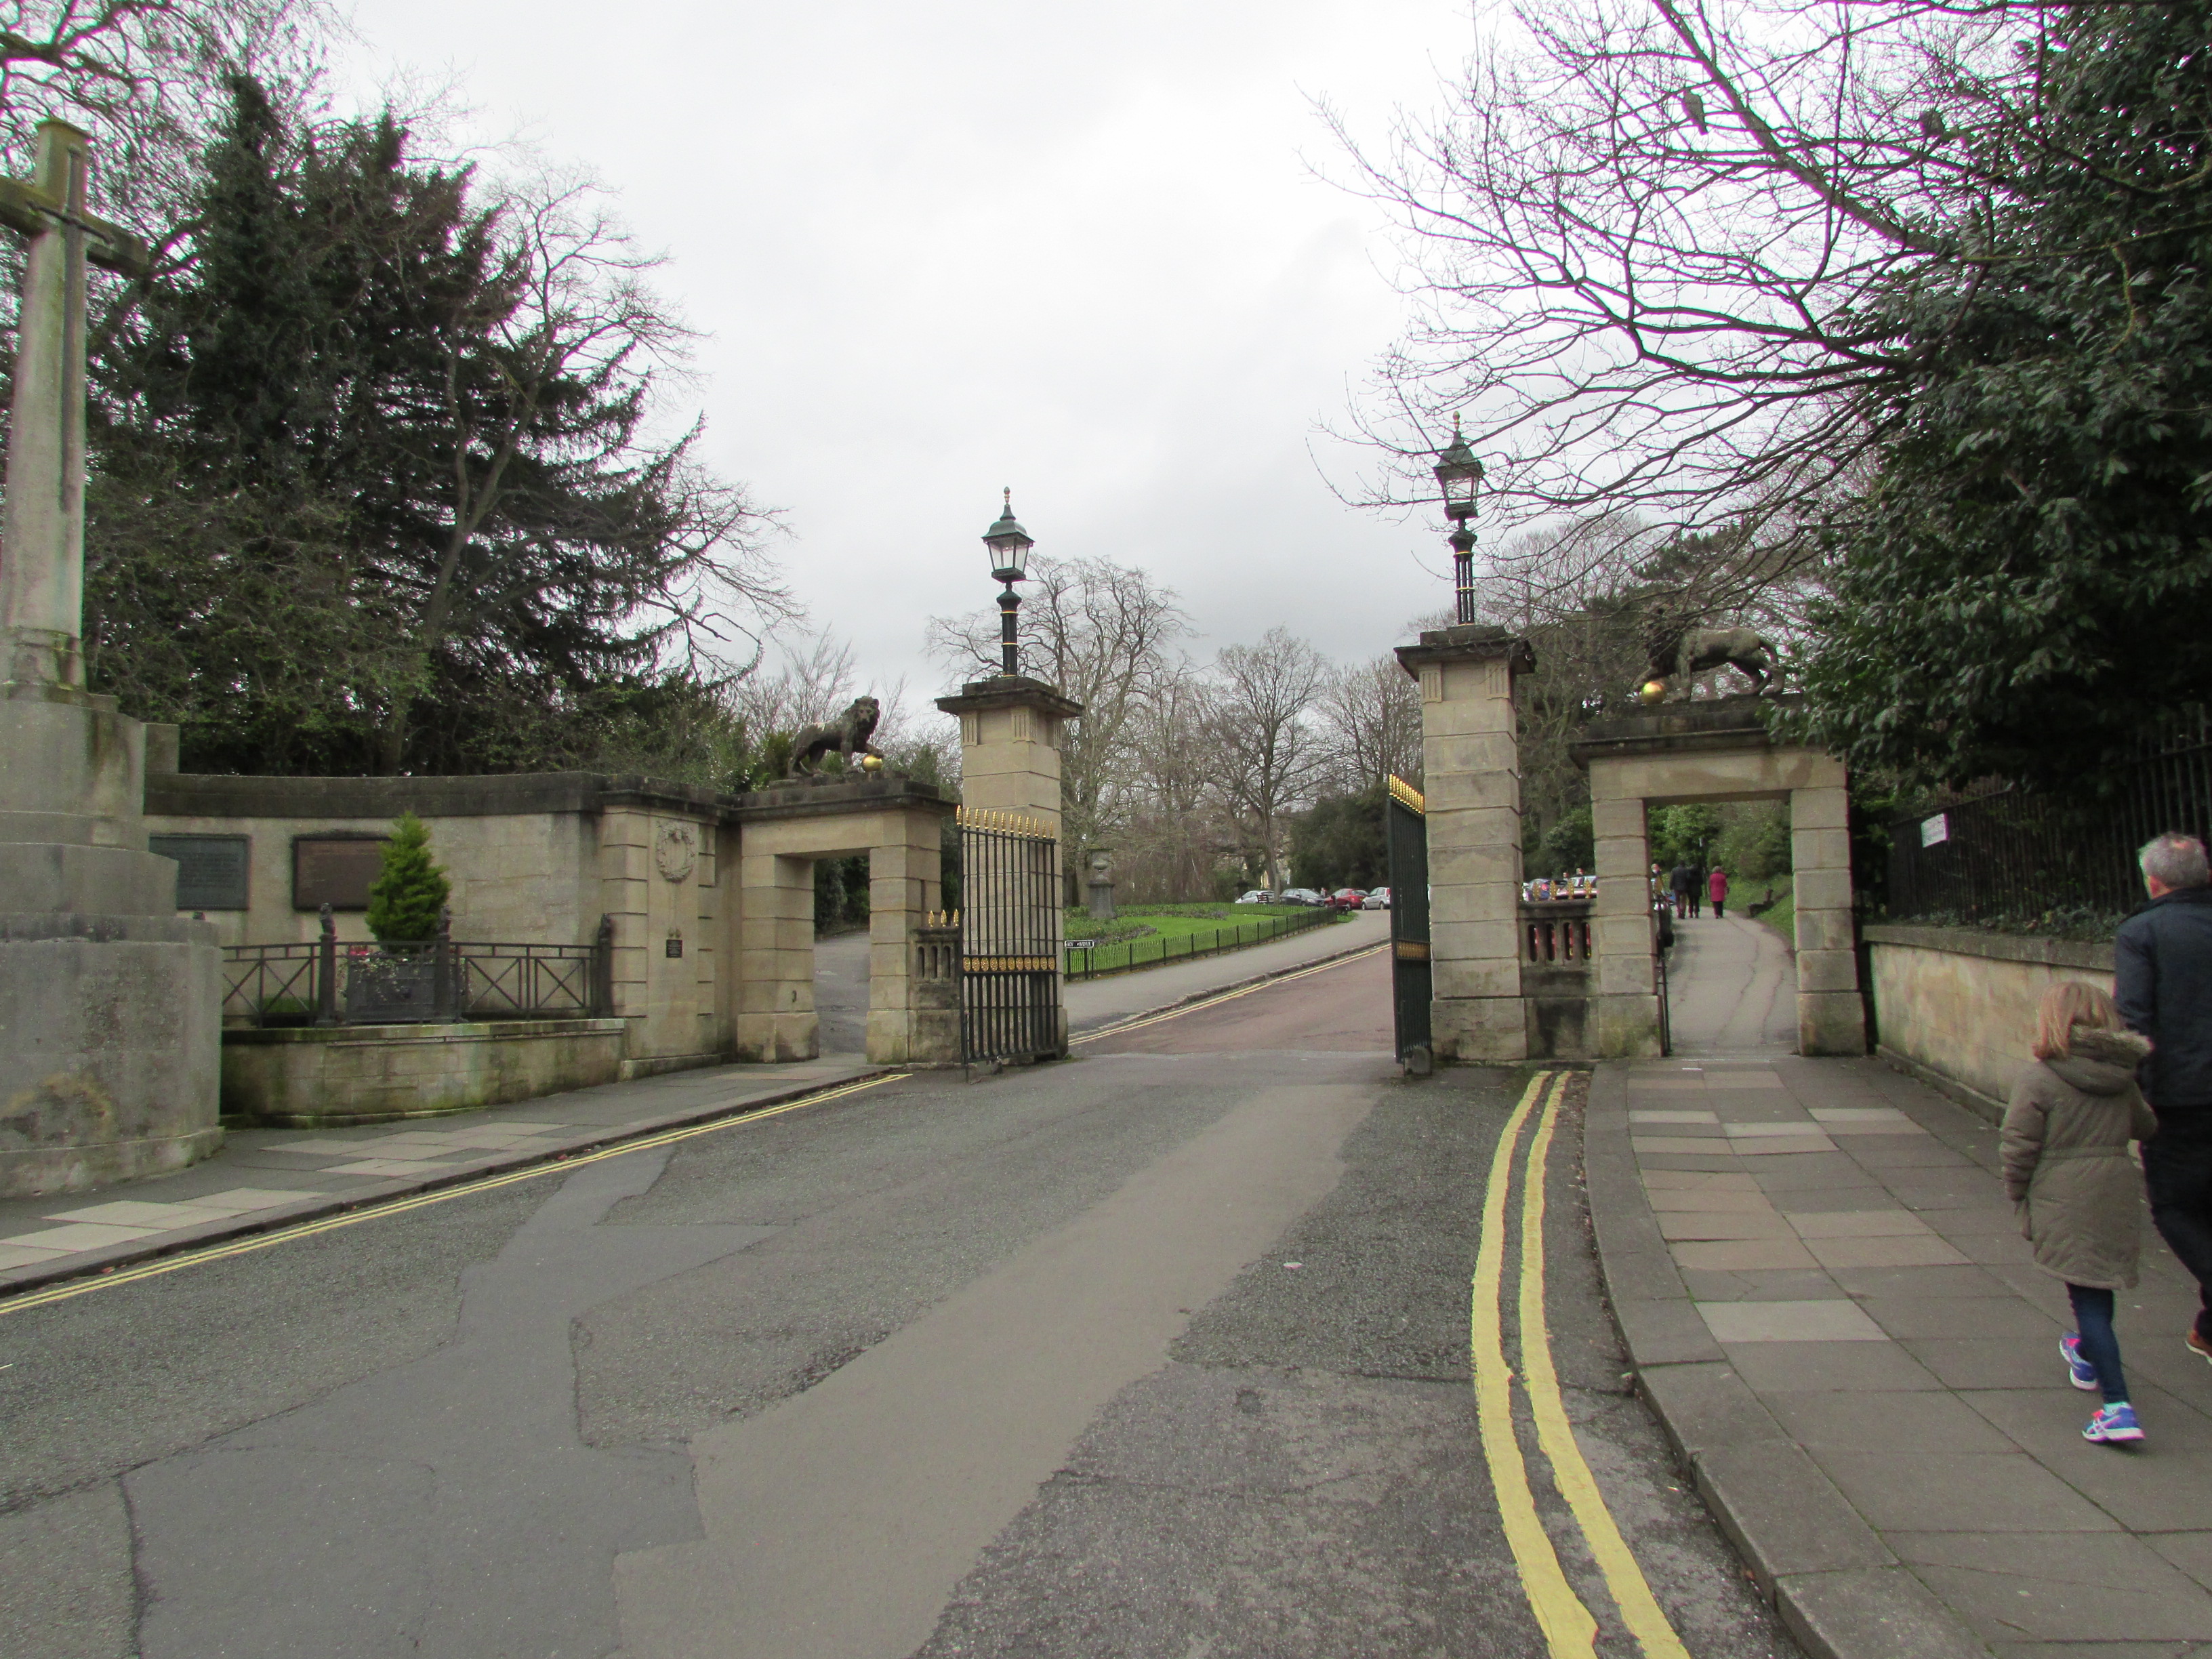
pixel 2162 963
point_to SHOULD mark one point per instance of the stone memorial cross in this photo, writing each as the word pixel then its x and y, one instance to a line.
pixel 42 542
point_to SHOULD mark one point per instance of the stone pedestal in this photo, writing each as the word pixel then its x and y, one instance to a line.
pixel 1470 754
pixel 1010 733
pixel 110 1005
pixel 1099 893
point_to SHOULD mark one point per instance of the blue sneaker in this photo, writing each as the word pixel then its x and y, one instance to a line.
pixel 2079 1371
pixel 2113 1426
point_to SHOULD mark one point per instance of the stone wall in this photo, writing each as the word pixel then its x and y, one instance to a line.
pixel 1957 1008
pixel 522 851
pixel 311 1078
pixel 533 859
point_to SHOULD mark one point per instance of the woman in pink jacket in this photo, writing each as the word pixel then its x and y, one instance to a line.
pixel 1717 890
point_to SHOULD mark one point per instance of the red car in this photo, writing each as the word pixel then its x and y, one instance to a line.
pixel 1345 898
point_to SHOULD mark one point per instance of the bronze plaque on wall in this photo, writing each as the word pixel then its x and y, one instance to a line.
pixel 335 870
pixel 211 870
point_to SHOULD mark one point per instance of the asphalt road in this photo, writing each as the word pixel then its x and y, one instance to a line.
pixel 1163 1351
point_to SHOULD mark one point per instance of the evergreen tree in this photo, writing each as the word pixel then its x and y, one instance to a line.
pixel 410 891
pixel 375 489
pixel 2027 583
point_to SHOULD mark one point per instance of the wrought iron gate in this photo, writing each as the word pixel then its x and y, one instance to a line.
pixel 1009 918
pixel 1406 836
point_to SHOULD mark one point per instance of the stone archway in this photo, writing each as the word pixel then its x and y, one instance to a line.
pixel 1716 752
pixel 898 823
pixel 1492 1000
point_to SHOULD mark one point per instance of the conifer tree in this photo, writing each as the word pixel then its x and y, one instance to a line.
pixel 376 482
pixel 409 893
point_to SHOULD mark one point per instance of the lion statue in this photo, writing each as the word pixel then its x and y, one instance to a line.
pixel 1692 651
pixel 848 734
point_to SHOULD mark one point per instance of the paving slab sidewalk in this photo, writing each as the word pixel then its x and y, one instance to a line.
pixel 1829 1306
pixel 263 1178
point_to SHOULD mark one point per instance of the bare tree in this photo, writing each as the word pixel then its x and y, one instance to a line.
pixel 1098 632
pixel 550 372
pixel 1263 738
pixel 797 687
pixel 146 78
pixel 1370 719
pixel 1644 238
pixel 1177 831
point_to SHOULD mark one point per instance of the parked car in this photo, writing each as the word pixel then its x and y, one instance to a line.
pixel 1257 896
pixel 1345 898
pixel 1301 896
pixel 1377 900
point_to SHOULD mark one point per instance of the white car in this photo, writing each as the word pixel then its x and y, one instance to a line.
pixel 1257 896
pixel 1377 900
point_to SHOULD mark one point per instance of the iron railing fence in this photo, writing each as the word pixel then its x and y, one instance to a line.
pixel 1088 961
pixel 2016 857
pixel 1009 938
pixel 325 982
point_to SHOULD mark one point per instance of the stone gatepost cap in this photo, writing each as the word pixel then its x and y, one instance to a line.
pixel 1470 642
pixel 1010 691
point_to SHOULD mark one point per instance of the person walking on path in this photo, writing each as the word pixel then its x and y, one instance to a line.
pixel 1717 885
pixel 2067 1171
pixel 1681 882
pixel 2162 979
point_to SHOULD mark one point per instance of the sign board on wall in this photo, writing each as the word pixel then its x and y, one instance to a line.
pixel 337 870
pixel 211 870
pixel 1935 831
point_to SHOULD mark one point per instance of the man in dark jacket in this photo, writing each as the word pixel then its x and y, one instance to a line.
pixel 2163 983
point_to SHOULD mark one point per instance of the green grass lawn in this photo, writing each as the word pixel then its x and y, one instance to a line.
pixel 1175 931
pixel 1783 918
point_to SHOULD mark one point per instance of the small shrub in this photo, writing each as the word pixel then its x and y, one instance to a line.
pixel 410 891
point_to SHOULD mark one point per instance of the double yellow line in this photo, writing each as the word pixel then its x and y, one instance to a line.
pixel 1569 1629
pixel 557 1165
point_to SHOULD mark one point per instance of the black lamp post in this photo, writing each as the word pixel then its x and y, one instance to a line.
pixel 1460 474
pixel 1010 547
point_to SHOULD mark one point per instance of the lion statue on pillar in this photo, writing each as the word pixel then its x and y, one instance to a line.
pixel 1677 653
pixel 848 734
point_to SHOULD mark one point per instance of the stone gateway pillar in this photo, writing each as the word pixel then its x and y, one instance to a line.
pixel 1470 754
pixel 111 1008
pixel 1011 728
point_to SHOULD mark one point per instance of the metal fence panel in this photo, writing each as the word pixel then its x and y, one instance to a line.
pixel 1085 961
pixel 2019 856
pixel 1010 952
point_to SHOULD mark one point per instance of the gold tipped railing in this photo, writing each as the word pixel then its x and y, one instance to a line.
pixel 1005 823
pixel 1405 795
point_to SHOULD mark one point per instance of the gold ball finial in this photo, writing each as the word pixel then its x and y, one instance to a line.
pixel 1652 690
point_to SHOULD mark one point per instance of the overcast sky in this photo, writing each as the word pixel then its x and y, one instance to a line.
pixel 939 249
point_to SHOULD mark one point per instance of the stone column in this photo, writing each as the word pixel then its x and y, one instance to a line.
pixel 1624 1014
pixel 905 872
pixel 111 1007
pixel 1010 746
pixel 776 955
pixel 1010 734
pixel 1831 1018
pixel 1470 753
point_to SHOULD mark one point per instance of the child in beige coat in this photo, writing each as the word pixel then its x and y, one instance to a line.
pixel 2080 1196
